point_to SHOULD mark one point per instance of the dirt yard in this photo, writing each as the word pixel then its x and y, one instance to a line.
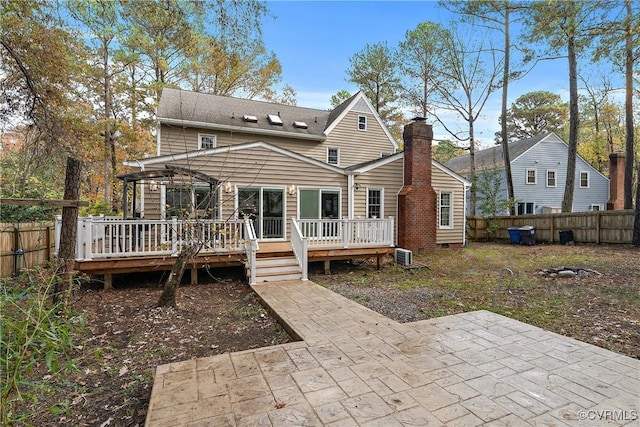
pixel 127 337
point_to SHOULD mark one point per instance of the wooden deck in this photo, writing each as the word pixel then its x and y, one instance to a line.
pixel 107 267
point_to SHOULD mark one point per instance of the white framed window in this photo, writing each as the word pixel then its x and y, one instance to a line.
pixel 531 176
pixel 525 208
pixel 333 156
pixel 584 179
pixel 206 141
pixel 362 123
pixel 596 207
pixel 551 178
pixel 183 200
pixel 374 203
pixel 445 209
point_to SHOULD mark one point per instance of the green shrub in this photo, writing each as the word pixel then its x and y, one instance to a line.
pixel 35 337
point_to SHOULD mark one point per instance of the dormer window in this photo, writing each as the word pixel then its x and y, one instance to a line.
pixel 362 123
pixel 249 118
pixel 206 141
pixel 274 119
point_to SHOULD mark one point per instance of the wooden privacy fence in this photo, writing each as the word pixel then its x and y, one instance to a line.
pixel 587 227
pixel 36 239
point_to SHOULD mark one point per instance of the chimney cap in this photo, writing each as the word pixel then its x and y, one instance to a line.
pixel 418 119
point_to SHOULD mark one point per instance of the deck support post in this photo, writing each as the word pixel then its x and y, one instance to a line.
pixel 378 262
pixel 194 276
pixel 108 281
pixel 327 267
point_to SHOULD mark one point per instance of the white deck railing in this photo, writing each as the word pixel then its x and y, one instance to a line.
pixel 109 237
pixel 347 233
pixel 100 237
pixel 300 247
pixel 251 249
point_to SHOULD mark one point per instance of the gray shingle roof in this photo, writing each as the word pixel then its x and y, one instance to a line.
pixel 182 105
pixel 491 158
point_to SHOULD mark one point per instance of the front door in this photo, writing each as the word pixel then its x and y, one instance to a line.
pixel 265 206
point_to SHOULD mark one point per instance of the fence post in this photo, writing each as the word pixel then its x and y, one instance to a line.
pixel 598 216
pixel 47 242
pixel 16 246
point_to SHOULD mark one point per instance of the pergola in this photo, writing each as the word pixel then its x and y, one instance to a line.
pixel 167 174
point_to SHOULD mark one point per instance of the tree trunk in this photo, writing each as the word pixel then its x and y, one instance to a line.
pixel 168 297
pixel 69 228
pixel 567 201
pixel 628 170
pixel 503 132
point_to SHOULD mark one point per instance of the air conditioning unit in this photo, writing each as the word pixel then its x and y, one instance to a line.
pixel 403 256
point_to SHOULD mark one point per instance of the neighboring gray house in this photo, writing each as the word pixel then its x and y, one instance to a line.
pixel 539 170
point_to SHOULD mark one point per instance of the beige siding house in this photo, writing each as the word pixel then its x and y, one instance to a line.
pixel 275 162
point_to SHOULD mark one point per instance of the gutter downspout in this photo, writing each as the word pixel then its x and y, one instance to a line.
pixel 350 195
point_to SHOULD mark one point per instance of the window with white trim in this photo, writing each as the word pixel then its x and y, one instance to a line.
pixel 531 177
pixel 333 156
pixel 551 178
pixel 596 207
pixel 185 201
pixel 362 122
pixel 584 179
pixel 206 141
pixel 374 203
pixel 445 209
pixel 525 208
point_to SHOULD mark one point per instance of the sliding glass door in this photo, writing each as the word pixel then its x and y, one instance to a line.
pixel 265 206
pixel 320 204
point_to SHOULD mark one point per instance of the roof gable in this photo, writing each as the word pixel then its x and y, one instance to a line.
pixel 492 157
pixel 374 164
pixel 357 103
pixel 142 163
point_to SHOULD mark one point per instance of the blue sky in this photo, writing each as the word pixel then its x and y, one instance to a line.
pixel 315 39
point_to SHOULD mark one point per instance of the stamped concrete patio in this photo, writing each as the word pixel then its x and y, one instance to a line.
pixel 355 367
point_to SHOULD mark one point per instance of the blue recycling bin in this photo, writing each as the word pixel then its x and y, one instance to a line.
pixel 514 234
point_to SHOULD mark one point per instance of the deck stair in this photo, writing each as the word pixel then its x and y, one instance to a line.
pixel 275 269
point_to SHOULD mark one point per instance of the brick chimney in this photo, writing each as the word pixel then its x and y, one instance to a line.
pixel 417 199
pixel 616 180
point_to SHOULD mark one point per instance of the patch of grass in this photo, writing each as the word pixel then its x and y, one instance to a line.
pixel 600 308
pixel 362 298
